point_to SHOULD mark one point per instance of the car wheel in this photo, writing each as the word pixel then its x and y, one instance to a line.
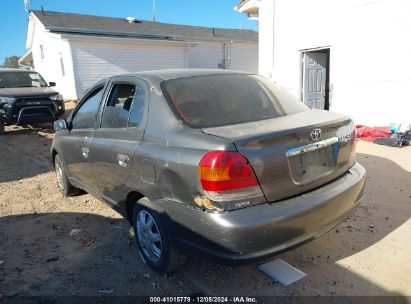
pixel 65 187
pixel 2 127
pixel 154 241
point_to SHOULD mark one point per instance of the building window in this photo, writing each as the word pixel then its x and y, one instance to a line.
pixel 63 73
pixel 41 51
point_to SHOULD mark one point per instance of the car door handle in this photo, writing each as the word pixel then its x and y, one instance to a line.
pixel 85 152
pixel 123 160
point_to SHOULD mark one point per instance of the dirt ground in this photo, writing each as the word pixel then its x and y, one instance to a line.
pixel 368 254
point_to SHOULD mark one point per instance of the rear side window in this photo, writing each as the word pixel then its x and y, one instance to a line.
pixel 137 109
pixel 86 115
pixel 117 110
pixel 221 100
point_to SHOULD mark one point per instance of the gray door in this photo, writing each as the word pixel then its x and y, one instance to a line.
pixel 314 79
pixel 118 136
pixel 76 145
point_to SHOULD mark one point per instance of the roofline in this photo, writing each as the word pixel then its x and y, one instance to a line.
pixel 142 20
pixel 59 29
pixel 27 54
pixel 240 4
pixel 82 31
pixel 16 70
pixel 131 40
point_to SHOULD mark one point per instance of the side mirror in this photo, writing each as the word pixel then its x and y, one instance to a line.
pixel 52 84
pixel 60 125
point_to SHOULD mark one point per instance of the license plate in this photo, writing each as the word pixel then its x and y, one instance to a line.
pixel 313 161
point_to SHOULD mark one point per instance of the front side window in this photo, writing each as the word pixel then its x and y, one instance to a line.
pixel 86 115
pixel 117 110
pixel 222 100
pixel 21 80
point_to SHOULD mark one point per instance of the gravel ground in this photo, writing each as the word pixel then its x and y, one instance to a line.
pixel 40 254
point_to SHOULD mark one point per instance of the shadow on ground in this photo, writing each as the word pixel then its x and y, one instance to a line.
pixel 25 152
pixel 41 258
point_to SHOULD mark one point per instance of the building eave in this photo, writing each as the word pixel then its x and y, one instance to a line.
pixel 120 39
pixel 26 59
pixel 249 7
pixel 127 35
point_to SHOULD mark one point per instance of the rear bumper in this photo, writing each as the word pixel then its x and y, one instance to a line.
pixel 265 230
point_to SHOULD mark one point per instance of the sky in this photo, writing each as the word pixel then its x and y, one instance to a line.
pixel 211 13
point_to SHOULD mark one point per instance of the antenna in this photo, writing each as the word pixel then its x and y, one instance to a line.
pixel 27 6
pixel 154 10
pixel 42 10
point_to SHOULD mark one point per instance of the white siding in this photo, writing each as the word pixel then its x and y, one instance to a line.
pixel 49 66
pixel 206 55
pixel 266 38
pixel 209 55
pixel 244 57
pixel 369 62
pixel 94 61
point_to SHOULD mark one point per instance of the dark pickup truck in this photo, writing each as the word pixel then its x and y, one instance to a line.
pixel 25 98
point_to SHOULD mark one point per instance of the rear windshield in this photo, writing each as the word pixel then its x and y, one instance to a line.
pixel 21 80
pixel 221 100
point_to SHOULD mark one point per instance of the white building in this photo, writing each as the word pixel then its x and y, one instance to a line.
pixel 77 50
pixel 350 56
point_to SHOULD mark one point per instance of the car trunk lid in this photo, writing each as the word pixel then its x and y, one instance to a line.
pixel 285 154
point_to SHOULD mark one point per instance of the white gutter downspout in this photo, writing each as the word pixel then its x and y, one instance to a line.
pixel 227 54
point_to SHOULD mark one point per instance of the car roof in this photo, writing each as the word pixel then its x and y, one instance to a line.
pixel 158 76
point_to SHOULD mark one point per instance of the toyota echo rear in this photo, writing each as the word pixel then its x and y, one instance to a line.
pixel 216 163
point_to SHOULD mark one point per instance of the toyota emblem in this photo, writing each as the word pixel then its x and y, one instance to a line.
pixel 316 134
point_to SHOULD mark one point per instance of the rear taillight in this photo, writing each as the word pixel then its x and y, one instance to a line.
pixel 227 176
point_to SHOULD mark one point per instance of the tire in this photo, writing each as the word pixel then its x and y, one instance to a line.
pixel 63 183
pixel 161 254
pixel 2 127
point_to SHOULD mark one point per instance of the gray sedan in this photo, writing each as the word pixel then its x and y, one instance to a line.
pixel 211 162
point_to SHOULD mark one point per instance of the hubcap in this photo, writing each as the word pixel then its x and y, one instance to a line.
pixel 149 236
pixel 59 174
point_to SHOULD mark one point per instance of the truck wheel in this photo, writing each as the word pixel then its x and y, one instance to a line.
pixel 154 240
pixel 62 180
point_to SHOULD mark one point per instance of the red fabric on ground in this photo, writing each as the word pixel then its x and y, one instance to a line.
pixel 372 133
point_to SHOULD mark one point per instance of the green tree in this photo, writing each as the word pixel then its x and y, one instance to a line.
pixel 11 62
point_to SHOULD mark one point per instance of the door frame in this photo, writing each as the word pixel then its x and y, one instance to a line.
pixel 128 134
pixel 326 50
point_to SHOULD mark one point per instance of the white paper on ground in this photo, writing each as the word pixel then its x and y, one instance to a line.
pixel 282 272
